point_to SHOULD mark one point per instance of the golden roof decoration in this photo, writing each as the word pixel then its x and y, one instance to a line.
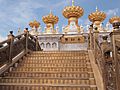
pixel 50 19
pixel 97 16
pixel 73 11
pixel 114 19
pixel 34 23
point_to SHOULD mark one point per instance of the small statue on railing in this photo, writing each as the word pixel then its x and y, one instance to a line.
pixel 26 30
pixel 11 36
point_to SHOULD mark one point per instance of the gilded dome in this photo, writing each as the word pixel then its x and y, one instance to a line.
pixel 34 23
pixel 50 19
pixel 97 16
pixel 73 11
pixel 114 19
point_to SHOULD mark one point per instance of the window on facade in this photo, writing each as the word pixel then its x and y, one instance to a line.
pixel 66 39
pixel 48 45
pixel 42 45
pixel 72 39
pixel 54 45
pixel 78 39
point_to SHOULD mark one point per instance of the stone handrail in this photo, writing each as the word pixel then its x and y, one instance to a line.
pixel 99 56
pixel 15 45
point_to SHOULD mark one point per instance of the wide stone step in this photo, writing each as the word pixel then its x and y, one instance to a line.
pixel 55 75
pixel 50 66
pixel 55 52
pixel 55 61
pixel 56 58
pixel 10 86
pixel 53 65
pixel 37 80
pixel 55 69
pixel 57 55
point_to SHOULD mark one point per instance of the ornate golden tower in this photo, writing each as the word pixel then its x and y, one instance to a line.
pixel 97 18
pixel 115 21
pixel 50 20
pixel 34 23
pixel 72 13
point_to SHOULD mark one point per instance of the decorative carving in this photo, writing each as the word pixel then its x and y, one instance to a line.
pixel 75 39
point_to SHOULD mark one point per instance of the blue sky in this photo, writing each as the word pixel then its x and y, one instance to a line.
pixel 18 13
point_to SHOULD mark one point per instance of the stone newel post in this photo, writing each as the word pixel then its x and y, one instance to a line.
pixel 11 40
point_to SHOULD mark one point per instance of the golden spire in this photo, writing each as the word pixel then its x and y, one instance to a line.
pixel 97 9
pixel 73 2
pixel 34 23
pixel 50 18
pixel 114 19
pixel 73 11
pixel 114 13
pixel 50 11
pixel 97 16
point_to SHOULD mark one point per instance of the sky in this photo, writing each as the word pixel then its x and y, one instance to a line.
pixel 16 14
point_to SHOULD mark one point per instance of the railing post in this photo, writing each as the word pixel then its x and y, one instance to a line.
pixel 91 37
pixel 95 36
pixel 36 43
pixel 11 39
pixel 26 39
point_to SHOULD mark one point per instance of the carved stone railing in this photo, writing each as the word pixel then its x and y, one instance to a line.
pixel 98 54
pixel 117 62
pixel 14 45
pixel 101 47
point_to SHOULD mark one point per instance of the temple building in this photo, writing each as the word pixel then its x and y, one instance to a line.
pixel 75 59
pixel 73 36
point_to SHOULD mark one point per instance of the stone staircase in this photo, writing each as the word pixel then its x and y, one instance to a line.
pixel 52 70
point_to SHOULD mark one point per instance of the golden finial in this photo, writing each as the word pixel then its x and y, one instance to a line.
pixel 115 14
pixel 73 2
pixel 50 11
pixel 97 9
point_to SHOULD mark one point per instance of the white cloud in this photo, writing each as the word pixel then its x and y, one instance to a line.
pixel 19 12
pixel 112 12
pixel 62 3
